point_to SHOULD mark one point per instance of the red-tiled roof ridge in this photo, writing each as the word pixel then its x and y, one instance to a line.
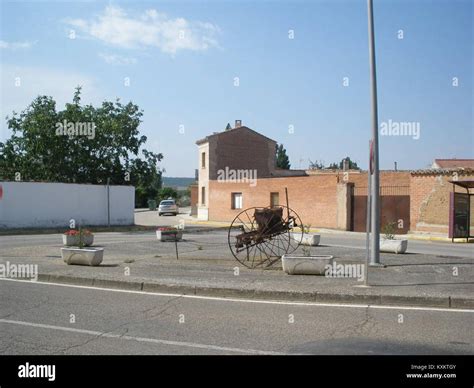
pixel 206 139
pixel 455 163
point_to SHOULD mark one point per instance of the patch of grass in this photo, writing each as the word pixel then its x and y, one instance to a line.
pixel 389 230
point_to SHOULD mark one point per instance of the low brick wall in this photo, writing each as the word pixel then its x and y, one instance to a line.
pixel 429 207
pixel 313 197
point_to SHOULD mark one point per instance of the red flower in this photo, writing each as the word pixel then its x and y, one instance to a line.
pixel 167 229
pixel 74 232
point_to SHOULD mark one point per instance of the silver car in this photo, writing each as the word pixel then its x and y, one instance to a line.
pixel 168 206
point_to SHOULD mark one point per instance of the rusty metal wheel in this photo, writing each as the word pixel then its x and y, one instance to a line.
pixel 258 237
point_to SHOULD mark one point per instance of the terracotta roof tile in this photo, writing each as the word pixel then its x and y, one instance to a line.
pixel 455 163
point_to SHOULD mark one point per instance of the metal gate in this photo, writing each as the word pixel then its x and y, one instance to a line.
pixel 394 207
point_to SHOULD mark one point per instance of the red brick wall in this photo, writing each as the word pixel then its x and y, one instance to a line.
pixel 194 194
pixel 312 197
pixel 387 178
pixel 194 190
pixel 242 149
pixel 429 206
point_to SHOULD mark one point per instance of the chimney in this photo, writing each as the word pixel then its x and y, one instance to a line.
pixel 345 165
pixel 396 166
pixel 238 123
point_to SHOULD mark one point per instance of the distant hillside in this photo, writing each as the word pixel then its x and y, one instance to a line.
pixel 176 182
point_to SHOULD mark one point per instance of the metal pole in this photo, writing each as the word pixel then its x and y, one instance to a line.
pixel 375 216
pixel 367 224
pixel 108 202
pixel 176 244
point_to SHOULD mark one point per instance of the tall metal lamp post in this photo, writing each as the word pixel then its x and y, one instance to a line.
pixel 375 182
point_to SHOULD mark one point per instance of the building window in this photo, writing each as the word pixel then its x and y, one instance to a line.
pixel 203 160
pixel 236 200
pixel 203 195
pixel 274 199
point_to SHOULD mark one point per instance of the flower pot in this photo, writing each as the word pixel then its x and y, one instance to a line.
pixel 306 238
pixel 306 265
pixel 393 246
pixel 90 256
pixel 164 235
pixel 73 240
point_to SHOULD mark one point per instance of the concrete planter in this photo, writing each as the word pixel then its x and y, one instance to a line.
pixel 77 256
pixel 306 265
pixel 73 240
pixel 168 236
pixel 307 238
pixel 393 246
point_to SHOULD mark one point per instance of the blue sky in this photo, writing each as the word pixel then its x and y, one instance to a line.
pixel 182 58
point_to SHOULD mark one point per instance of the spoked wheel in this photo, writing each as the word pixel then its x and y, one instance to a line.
pixel 258 240
pixel 295 230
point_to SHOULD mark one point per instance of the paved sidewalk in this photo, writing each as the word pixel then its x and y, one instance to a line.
pixel 206 267
pixel 410 236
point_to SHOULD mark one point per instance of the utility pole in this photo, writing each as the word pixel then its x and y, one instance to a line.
pixel 375 182
pixel 367 220
pixel 108 202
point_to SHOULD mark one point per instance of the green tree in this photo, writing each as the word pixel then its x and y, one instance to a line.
pixel 282 160
pixel 146 178
pixel 316 165
pixel 184 197
pixel 166 193
pixel 80 144
pixel 339 166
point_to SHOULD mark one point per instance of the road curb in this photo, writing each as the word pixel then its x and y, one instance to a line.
pixel 462 303
pixel 227 292
pixel 109 283
pixel 419 301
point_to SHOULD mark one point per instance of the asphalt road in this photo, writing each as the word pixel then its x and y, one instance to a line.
pixel 151 218
pixel 38 318
pixel 355 241
pixel 348 240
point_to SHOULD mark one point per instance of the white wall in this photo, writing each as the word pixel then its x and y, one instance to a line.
pixel 35 204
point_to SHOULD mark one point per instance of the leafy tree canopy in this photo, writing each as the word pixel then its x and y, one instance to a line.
pixel 282 160
pixel 166 193
pixel 316 165
pixel 339 166
pixel 80 144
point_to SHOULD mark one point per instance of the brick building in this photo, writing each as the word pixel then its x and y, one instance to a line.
pixel 429 194
pixel 238 154
pixel 237 170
